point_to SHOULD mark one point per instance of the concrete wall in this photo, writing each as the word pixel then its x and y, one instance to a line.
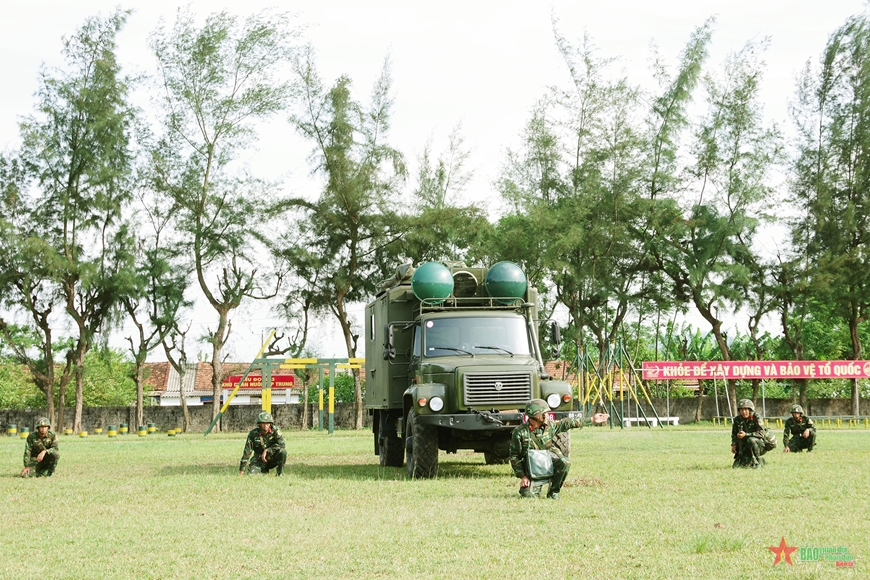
pixel 688 411
pixel 244 417
pixel 236 417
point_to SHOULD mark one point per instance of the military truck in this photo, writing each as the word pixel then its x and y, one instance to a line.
pixel 452 357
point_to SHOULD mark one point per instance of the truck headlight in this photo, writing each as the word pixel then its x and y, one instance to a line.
pixel 436 403
pixel 553 399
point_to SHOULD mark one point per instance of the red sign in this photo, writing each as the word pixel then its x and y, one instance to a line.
pixel 256 382
pixel 768 369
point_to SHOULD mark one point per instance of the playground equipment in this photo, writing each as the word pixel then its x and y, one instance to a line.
pixel 614 383
pixel 267 365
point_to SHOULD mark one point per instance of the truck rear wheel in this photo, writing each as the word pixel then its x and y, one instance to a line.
pixel 389 444
pixel 499 454
pixel 494 458
pixel 421 448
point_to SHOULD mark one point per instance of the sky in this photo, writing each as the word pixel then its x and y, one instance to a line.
pixel 481 64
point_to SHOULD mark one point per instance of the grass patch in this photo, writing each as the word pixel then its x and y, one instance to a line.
pixel 638 503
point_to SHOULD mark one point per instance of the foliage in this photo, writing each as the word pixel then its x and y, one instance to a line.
pixel 344 389
pixel 17 390
pixel 107 380
pixel 106 383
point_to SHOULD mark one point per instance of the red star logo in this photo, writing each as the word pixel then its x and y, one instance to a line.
pixel 782 550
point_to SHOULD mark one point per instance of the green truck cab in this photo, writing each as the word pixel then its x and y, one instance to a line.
pixel 452 357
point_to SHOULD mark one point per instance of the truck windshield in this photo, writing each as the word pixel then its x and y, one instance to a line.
pixel 472 336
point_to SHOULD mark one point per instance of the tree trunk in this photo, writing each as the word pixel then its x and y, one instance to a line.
pixel 304 404
pixel 61 403
pixel 140 394
pixel 218 340
pixel 185 425
pixel 357 391
pixel 856 355
pixel 801 392
pixel 79 374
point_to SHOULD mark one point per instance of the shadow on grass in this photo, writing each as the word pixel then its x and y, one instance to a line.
pixel 200 469
pixel 446 469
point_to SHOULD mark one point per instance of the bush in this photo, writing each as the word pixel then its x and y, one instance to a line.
pixel 343 389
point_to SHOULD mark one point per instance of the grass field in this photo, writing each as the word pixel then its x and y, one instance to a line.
pixel 637 504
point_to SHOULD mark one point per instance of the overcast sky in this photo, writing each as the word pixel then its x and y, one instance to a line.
pixel 481 63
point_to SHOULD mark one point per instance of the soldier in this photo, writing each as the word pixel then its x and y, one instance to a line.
pixel 41 451
pixel 747 436
pixel 539 433
pixel 800 432
pixel 266 444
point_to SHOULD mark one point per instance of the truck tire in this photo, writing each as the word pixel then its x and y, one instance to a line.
pixel 499 454
pixel 421 448
pixel 563 442
pixel 390 449
pixel 494 458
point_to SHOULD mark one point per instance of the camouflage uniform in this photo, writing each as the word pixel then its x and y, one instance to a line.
pixel 276 452
pixel 524 438
pixel 792 435
pixel 34 446
pixel 750 448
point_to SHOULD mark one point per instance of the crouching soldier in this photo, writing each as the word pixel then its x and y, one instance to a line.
pixel 747 436
pixel 265 448
pixel 41 451
pixel 538 434
pixel 800 432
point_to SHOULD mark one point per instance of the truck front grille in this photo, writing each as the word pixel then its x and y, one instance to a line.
pixel 496 388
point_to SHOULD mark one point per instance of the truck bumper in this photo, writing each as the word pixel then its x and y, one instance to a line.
pixel 486 420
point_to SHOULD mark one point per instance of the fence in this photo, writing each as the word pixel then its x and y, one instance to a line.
pixel 236 417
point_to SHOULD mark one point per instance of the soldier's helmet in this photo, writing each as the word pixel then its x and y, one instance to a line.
pixel 797 409
pixel 536 408
pixel 265 417
pixel 745 404
pixel 43 422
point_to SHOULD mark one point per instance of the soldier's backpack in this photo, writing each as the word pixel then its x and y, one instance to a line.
pixel 769 439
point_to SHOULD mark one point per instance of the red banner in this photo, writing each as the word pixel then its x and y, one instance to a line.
pixel 769 369
pixel 256 382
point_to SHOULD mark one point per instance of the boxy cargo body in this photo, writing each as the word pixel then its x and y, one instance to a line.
pixel 452 357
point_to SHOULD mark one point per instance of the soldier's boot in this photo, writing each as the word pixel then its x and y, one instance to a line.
pixel 280 460
pixel 556 484
pixel 46 467
pixel 534 489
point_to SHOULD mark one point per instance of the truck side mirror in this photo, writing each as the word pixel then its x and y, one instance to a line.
pixel 389 349
pixel 555 333
pixel 555 338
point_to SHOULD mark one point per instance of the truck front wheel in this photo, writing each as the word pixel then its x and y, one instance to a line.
pixel 421 448
pixel 563 442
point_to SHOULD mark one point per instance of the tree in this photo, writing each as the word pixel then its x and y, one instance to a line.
pixel 574 186
pixel 343 238
pixel 76 152
pixel 708 253
pixel 218 81
pixel 830 178
pixel 439 226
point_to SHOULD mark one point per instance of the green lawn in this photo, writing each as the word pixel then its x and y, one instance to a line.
pixel 637 504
